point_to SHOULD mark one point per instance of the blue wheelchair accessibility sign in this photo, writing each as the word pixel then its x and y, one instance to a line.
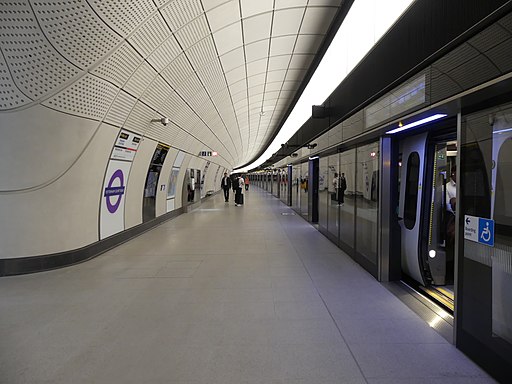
pixel 486 231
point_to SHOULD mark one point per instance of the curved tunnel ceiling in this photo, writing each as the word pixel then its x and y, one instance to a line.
pixel 223 72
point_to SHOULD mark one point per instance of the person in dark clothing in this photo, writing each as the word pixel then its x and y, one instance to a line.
pixel 342 187
pixel 226 186
pixel 234 184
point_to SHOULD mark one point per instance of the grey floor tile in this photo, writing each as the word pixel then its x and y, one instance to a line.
pixel 382 331
pixel 301 310
pixel 315 361
pixel 414 361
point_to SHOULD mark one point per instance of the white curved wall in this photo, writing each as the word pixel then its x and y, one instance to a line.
pixel 62 215
pixel 38 144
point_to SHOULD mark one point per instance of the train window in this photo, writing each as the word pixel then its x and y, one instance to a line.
pixel 411 190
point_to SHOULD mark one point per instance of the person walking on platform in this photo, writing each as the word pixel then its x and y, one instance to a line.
pixel 246 182
pixel 226 186
pixel 239 197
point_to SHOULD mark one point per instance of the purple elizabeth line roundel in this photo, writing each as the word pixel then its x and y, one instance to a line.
pixel 114 191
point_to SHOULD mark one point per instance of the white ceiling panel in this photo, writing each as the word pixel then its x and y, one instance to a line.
pixel 233 59
pixel 116 14
pixel 140 80
pixel 301 61
pixel 190 88
pixel 290 85
pixel 257 50
pixel 276 75
pixel 157 93
pixel 257 28
pixel 119 67
pixel 223 15
pixel 240 87
pixel 70 25
pixel 120 109
pixel 178 71
pixel 192 32
pixel 308 44
pixel 256 80
pixel 237 74
pixel 274 86
pixel 282 45
pixel 210 4
pixel 181 12
pixel 279 62
pixel 89 97
pixel 251 7
pixel 271 95
pixel 333 3
pixel 166 52
pixel 295 75
pixel 317 20
pixel 257 90
pixel 150 35
pixel 10 96
pixel 242 95
pixel 287 21
pixel 280 4
pixel 140 118
pixel 228 38
pixel 257 67
pixel 212 78
pixel 202 53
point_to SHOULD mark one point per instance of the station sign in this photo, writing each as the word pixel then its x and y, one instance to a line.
pixel 126 146
pixel 208 153
pixel 479 230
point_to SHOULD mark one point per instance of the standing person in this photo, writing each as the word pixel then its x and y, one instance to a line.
pixel 239 197
pixel 336 186
pixel 234 184
pixel 226 186
pixel 191 188
pixel 451 208
pixel 343 188
pixel 246 182
pixel 451 191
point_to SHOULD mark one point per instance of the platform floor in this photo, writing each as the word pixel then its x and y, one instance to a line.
pixel 223 294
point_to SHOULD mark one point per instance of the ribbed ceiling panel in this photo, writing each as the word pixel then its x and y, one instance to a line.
pixel 140 118
pixel 140 80
pixel 150 35
pixel 193 32
pixel 178 72
pixel 165 54
pixel 120 109
pixel 180 13
pixel 120 66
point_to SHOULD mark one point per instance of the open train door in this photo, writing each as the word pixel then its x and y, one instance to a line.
pixel 413 150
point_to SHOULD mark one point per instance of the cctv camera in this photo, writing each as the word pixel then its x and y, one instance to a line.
pixel 164 120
